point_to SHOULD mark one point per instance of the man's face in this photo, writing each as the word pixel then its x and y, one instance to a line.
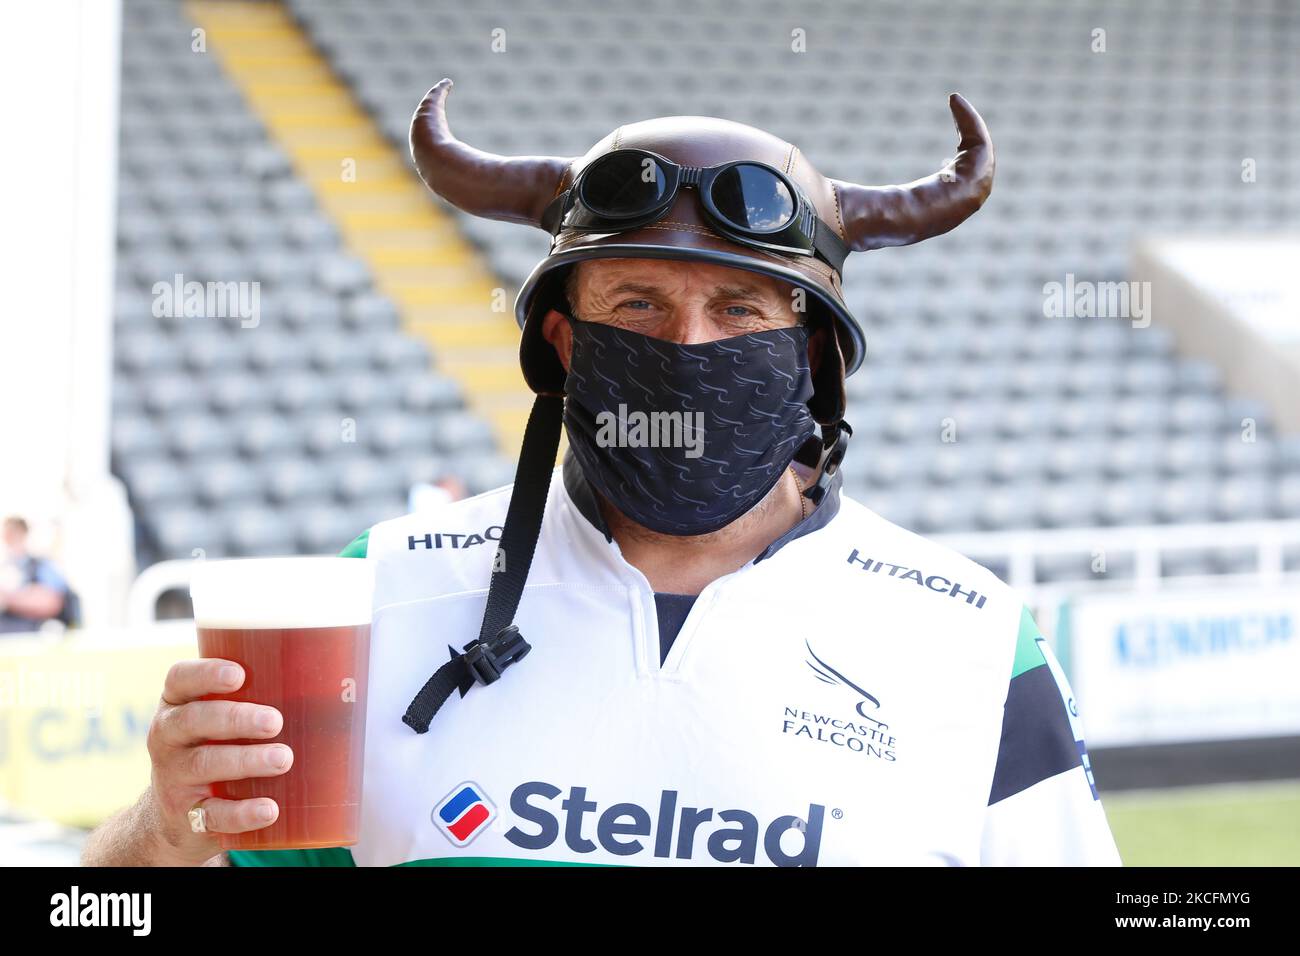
pixel 15 539
pixel 682 302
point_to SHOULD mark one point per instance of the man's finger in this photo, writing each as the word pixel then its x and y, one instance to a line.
pixel 202 720
pixel 215 815
pixel 216 763
pixel 190 680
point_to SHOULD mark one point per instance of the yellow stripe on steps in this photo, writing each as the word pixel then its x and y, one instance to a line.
pixel 442 288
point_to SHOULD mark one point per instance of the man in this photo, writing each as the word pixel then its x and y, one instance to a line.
pixel 705 653
pixel 426 495
pixel 32 591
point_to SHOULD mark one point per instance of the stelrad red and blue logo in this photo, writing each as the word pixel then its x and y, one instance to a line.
pixel 464 813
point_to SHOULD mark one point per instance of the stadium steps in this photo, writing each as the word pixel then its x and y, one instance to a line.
pixel 442 287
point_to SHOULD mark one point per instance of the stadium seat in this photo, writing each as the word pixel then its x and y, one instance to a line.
pixel 219 484
pixel 363 480
pixel 235 395
pixel 265 434
pixel 136 436
pixel 185 532
pixel 295 481
pixel 326 530
pixel 158 483
pixel 255 531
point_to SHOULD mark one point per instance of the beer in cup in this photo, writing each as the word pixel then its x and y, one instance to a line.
pixel 300 628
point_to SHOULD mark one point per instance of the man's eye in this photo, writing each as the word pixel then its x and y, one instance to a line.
pixel 739 311
pixel 639 304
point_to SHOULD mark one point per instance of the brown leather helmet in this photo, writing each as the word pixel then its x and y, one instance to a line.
pixel 521 188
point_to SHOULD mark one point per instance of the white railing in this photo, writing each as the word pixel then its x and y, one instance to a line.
pixel 151 584
pixel 1023 550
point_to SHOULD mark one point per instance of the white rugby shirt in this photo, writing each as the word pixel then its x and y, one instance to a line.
pixel 856 695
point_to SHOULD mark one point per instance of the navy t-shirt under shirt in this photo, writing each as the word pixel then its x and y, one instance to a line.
pixel 672 609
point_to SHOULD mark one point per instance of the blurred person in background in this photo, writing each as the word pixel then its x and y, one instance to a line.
pixel 32 591
pixel 444 489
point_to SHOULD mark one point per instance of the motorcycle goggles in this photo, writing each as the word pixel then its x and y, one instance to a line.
pixel 748 202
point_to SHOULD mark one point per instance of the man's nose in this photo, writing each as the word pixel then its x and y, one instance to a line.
pixel 689 324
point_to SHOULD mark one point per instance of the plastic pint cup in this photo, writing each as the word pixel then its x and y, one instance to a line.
pixel 300 628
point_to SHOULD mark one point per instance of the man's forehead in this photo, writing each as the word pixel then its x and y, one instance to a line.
pixel 671 274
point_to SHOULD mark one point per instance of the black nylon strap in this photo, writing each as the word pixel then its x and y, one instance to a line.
pixel 524 515
pixel 499 643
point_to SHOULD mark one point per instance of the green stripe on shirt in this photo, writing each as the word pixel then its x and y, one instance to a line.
pixel 330 856
pixel 1028 656
pixel 357 549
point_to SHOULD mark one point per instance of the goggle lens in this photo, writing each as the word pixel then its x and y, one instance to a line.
pixel 751 198
pixel 622 186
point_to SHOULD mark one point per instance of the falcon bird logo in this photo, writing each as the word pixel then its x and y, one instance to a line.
pixel 830 675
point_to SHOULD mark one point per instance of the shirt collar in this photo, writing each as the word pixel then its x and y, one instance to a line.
pixel 583 497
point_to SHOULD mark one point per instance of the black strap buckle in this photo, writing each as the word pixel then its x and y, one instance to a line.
pixel 836 441
pixel 486 662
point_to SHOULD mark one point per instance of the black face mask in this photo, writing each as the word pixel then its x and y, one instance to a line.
pixel 684 439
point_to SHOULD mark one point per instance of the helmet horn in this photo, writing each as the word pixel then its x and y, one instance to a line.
pixel 879 216
pixel 512 188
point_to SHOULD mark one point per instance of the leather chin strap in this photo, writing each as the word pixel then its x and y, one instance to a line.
pixel 824 456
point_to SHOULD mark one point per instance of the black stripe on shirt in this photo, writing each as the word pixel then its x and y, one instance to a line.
pixel 1037 741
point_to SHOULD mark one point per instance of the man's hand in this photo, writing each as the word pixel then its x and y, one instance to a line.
pixel 157 831
pixel 185 764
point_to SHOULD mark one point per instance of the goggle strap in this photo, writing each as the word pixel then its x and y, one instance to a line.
pixel 554 214
pixel 829 245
